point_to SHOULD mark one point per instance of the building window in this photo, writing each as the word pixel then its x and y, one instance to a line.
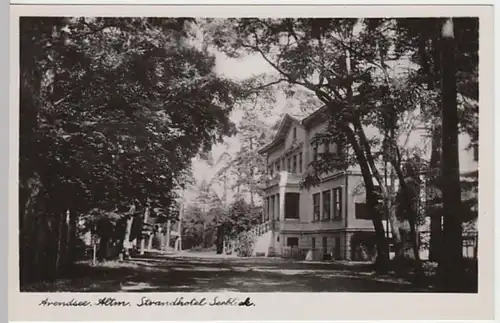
pixel 294 168
pixel 337 247
pixel 289 164
pixel 327 147
pixel 271 206
pixel 316 210
pixel 292 242
pixel 278 166
pixel 294 134
pixel 277 207
pixel 313 243
pixel 268 203
pixel 361 211
pixel 315 152
pixel 475 148
pixel 325 245
pixel 270 170
pixel 300 162
pixel 292 205
pixel 326 205
pixel 337 202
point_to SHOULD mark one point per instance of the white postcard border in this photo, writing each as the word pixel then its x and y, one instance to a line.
pixel 272 306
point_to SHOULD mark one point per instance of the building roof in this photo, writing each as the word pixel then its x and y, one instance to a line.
pixel 286 123
pixel 316 115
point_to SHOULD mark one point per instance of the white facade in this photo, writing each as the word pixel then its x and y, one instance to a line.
pixel 328 218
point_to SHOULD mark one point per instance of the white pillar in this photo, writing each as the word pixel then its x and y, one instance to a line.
pixel 266 209
pixel 143 241
pixel 162 239
pixel 150 241
pixel 276 207
pixel 281 215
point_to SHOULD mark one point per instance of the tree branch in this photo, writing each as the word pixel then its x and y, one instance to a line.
pixel 261 87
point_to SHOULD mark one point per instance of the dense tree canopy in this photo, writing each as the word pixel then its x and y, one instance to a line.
pixel 112 111
pixel 367 73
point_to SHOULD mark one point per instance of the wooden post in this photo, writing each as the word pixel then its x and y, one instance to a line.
pixel 94 250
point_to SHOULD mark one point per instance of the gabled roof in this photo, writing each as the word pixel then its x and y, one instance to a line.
pixel 316 115
pixel 283 129
pixel 288 121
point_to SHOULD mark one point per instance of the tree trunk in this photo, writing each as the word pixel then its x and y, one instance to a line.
pixel 371 198
pixel 128 231
pixel 434 194
pixel 204 234
pixel 72 237
pixel 150 241
pixel 412 215
pixel 451 260
pixel 143 240
pixel 220 239
pixel 28 227
pixel 179 230
pixel 60 241
pixel 103 251
pixel 31 216
pixel 162 241
pixel 371 201
pixel 167 242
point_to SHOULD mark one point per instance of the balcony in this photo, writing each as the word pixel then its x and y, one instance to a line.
pixel 272 180
pixel 283 179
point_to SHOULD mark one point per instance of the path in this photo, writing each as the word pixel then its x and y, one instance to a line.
pixel 192 272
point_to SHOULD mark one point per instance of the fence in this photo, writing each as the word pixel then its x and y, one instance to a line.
pixel 293 253
pixel 469 244
pixel 305 254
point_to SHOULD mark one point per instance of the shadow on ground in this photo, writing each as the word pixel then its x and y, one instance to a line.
pixel 178 274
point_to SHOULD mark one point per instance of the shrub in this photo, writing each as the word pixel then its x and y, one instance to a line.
pixel 245 246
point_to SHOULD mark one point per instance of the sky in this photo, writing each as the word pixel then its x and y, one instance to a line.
pixel 236 69
pixel 246 67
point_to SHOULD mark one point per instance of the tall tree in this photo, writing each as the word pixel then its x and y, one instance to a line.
pixel 248 166
pixel 336 59
pixel 451 262
pixel 108 117
pixel 422 39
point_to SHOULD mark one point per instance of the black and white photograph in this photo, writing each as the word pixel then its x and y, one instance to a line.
pixel 248 155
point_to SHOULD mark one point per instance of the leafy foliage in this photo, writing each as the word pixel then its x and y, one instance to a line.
pixel 113 110
pixel 353 66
